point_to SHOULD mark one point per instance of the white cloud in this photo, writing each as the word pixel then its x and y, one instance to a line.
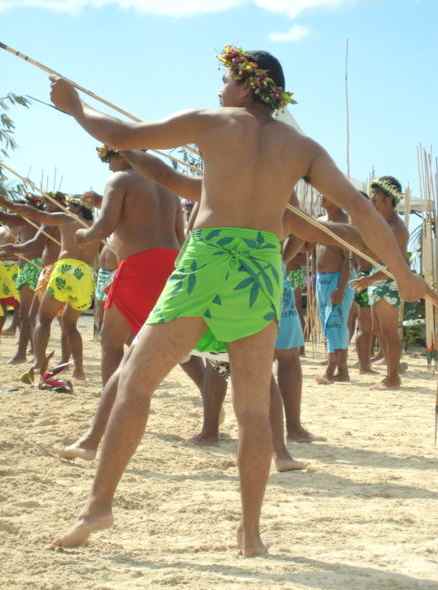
pixel 290 8
pixel 293 35
pixel 160 7
pixel 293 8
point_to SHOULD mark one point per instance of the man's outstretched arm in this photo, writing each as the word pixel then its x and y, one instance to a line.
pixel 181 129
pixel 324 175
pixel 111 212
pixel 155 169
pixel 35 214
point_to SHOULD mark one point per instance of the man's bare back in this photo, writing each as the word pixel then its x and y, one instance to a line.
pixel 251 165
pixel 148 216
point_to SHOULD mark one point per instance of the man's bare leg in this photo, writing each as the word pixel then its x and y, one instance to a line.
pixel 329 376
pixel 73 337
pixel 86 446
pixel 194 368
pixel 26 296
pixel 158 349
pixel 364 341
pixel 283 460
pixel 15 323
pixel 48 310
pixel 116 332
pixel 213 395
pixel 388 321
pixel 251 373
pixel 290 383
pixel 342 374
pixel 99 310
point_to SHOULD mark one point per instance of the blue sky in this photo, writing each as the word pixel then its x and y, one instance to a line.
pixel 155 57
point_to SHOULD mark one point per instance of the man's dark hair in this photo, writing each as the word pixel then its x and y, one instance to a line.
pixel 266 61
pixel 85 213
pixel 393 183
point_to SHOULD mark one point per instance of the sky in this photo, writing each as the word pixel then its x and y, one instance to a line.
pixel 157 57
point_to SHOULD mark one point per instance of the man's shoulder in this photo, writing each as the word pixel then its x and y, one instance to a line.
pixel 122 179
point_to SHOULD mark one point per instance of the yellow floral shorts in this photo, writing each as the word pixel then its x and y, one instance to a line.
pixel 72 282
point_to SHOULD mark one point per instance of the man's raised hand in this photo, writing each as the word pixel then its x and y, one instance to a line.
pixel 64 96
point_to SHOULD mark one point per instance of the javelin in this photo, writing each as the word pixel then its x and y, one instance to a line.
pixel 353 249
pixel 333 235
pixel 33 223
pixel 33 186
pixel 107 103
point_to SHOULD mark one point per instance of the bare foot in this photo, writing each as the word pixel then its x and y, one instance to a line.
pixel 250 548
pixel 323 380
pixel 304 436
pixel 289 464
pixel 205 440
pixel 18 359
pixel 368 371
pixel 392 384
pixel 75 451
pixel 79 533
pixel 79 375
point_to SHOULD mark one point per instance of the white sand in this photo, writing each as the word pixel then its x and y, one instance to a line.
pixel 363 517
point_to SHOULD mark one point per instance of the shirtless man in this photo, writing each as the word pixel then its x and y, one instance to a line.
pixel 145 223
pixel 216 375
pixel 215 299
pixel 48 248
pixel 26 282
pixel 71 283
pixel 334 297
pixel 383 294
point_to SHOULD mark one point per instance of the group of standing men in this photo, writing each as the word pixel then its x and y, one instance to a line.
pixel 223 291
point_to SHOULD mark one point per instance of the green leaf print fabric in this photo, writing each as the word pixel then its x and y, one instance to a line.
pixel 231 277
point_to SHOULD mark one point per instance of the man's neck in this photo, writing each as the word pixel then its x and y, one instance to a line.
pixel 389 215
pixel 258 110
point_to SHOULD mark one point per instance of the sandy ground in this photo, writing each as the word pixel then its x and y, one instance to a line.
pixel 364 516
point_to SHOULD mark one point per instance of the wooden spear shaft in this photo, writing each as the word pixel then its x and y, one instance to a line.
pixel 340 240
pixel 45 195
pixel 93 95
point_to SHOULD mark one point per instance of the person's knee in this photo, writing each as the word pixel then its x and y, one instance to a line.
pixel 253 416
pixel 131 383
pixel 44 320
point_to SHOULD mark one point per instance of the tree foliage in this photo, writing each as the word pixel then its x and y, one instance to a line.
pixel 7 132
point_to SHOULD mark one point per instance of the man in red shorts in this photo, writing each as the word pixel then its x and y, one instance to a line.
pixel 146 226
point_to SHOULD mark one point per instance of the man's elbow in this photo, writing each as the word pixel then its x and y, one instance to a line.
pixel 123 137
pixel 360 209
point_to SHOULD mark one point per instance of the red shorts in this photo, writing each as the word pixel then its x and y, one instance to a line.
pixel 138 282
pixel 9 302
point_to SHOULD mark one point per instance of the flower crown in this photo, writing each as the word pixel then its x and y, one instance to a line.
pixel 387 188
pixel 105 153
pixel 244 69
